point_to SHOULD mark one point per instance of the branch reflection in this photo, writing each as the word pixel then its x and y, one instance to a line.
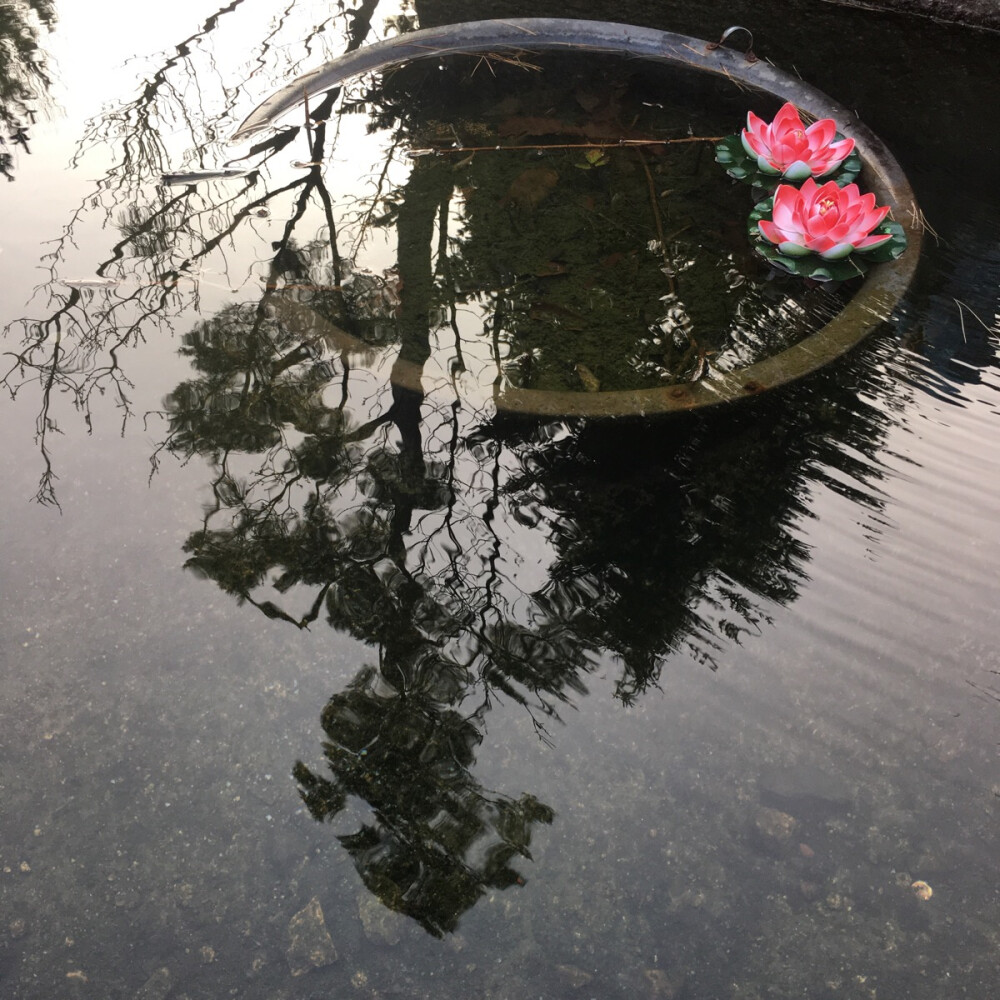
pixel 173 239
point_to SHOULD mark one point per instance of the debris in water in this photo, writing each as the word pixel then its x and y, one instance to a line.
pixel 197 176
pixel 922 889
pixel 531 187
pixel 590 381
pixel 90 282
pixel 573 976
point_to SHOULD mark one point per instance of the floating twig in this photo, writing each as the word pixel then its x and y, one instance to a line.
pixel 432 150
pixel 961 318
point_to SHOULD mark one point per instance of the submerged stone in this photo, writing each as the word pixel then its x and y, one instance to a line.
pixel 381 925
pixel 774 824
pixel 802 788
pixel 157 987
pixel 311 946
pixel 663 985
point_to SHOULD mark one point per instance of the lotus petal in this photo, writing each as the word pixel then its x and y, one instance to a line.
pixel 756 125
pixel 766 166
pixel 821 133
pixel 787 119
pixel 842 148
pixel 771 232
pixel 798 171
pixel 838 251
pixel 872 241
pixel 790 249
pixel 751 144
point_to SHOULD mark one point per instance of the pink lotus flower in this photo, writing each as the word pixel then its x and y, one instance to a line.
pixel 788 148
pixel 823 219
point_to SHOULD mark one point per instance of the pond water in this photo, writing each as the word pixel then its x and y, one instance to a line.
pixel 324 678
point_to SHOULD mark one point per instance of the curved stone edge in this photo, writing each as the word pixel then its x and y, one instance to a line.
pixel 518 34
pixel 872 304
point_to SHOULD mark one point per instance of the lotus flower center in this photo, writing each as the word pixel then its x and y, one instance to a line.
pixel 825 205
pixel 798 133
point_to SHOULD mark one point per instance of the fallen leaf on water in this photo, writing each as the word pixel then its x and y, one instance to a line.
pixel 568 318
pixel 592 158
pixel 532 186
pixel 550 268
pixel 518 125
pixel 590 381
pixel 589 100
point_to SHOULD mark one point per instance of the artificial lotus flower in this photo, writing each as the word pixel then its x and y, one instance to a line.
pixel 788 148
pixel 826 220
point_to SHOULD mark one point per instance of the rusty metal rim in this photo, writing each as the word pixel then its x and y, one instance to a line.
pixel 872 304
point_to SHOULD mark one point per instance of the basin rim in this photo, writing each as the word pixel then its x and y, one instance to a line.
pixel 873 303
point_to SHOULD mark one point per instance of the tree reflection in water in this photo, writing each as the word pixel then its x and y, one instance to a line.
pixel 400 516
pixel 439 840
pixel 354 479
pixel 24 75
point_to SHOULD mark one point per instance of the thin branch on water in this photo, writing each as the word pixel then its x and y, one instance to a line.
pixel 961 319
pixel 496 148
pixel 668 265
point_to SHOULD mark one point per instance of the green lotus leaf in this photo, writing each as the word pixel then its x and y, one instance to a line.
pixel 813 266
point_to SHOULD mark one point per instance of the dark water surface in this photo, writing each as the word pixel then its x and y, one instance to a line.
pixel 321 679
